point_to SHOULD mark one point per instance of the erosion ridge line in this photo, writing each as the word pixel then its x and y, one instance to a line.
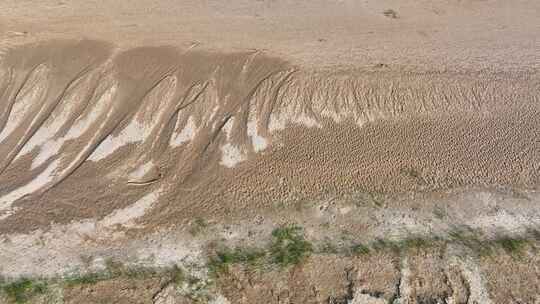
pixel 178 116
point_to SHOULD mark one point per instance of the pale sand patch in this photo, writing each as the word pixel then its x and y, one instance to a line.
pixel 142 170
pixel 259 143
pixel 58 250
pixel 46 139
pixel 133 133
pixel 405 284
pixel 280 121
pixel 503 220
pixel 362 298
pixel 187 134
pixel 36 184
pixel 101 107
pixel 220 299
pixel 127 216
pixel 231 155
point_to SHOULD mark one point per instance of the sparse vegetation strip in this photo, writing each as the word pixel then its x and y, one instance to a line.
pixel 287 247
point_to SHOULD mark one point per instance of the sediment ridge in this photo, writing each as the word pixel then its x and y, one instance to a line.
pixel 162 119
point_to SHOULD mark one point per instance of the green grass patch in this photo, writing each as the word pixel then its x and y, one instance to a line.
pixel 418 243
pixel 24 289
pixel 395 247
pixel 288 246
pixel 177 275
pixel 512 246
pixel 360 249
pixel 224 257
pixel 471 239
pixel 84 279
pixel 114 269
pixel 385 245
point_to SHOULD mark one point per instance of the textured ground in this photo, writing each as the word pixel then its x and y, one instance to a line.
pixel 155 130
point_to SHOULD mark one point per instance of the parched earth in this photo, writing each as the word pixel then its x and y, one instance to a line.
pixel 269 151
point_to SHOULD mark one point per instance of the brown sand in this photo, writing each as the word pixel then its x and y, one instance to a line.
pixel 259 129
pixel 224 110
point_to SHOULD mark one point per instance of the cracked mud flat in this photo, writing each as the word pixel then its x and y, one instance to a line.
pixel 173 130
